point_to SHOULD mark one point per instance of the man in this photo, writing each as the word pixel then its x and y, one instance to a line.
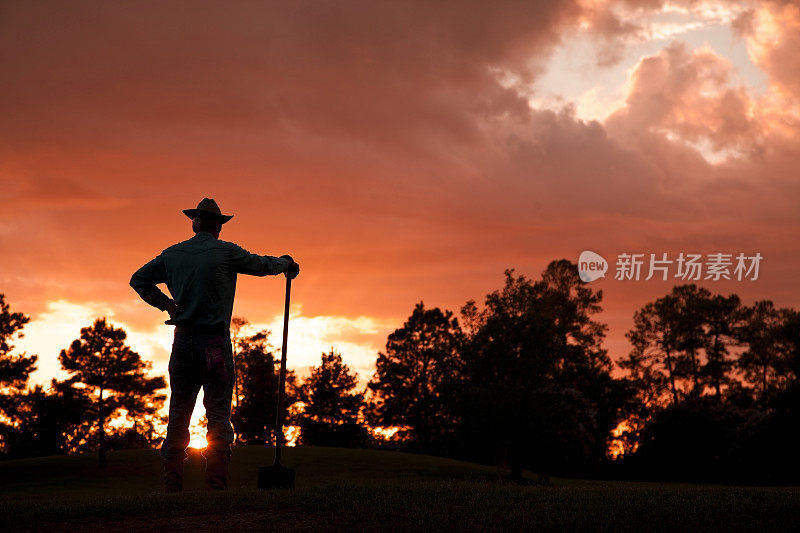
pixel 200 274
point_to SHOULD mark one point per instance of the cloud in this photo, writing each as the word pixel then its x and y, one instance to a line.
pixel 691 94
pixel 772 33
pixel 275 110
pixel 49 192
pixel 614 33
pixel 617 26
pixel 109 73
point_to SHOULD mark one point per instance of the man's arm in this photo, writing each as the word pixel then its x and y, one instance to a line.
pixel 243 262
pixel 144 282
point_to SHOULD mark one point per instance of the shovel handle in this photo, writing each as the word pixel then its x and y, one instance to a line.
pixel 282 377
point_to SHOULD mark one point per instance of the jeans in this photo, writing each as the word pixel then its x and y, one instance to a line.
pixel 200 358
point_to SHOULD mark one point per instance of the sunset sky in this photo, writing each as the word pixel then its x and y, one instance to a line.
pixel 400 151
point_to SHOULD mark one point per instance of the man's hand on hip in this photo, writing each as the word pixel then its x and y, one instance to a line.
pixel 172 308
pixel 293 269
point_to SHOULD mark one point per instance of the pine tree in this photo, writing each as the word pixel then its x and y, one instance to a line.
pixel 763 362
pixel 652 362
pixel 332 406
pixel 413 377
pixel 14 370
pixel 113 375
pixel 253 416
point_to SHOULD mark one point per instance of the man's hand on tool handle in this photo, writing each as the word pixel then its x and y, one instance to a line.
pixel 294 268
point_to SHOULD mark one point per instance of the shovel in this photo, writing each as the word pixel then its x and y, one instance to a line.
pixel 278 476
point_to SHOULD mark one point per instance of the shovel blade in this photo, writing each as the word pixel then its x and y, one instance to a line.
pixel 275 477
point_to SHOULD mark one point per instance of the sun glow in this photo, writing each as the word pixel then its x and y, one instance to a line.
pixel 386 433
pixel 619 444
pixel 54 329
pixel 197 441
pixel 291 435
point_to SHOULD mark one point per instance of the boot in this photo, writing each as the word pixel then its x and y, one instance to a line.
pixel 217 471
pixel 173 474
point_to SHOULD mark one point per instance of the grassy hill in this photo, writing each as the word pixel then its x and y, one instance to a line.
pixel 341 489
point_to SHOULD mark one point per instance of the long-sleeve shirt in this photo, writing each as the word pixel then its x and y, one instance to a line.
pixel 200 273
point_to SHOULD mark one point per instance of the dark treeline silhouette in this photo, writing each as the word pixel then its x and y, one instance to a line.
pixel 718 390
pixel 710 389
pixel 522 382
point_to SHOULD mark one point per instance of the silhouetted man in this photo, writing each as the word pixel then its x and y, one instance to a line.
pixel 200 273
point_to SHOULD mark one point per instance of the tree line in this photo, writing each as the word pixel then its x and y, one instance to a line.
pixel 717 389
pixel 110 401
pixel 708 390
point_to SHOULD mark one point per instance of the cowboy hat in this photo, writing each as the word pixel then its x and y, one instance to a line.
pixel 207 208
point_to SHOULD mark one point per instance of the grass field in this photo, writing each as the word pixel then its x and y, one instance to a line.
pixel 340 489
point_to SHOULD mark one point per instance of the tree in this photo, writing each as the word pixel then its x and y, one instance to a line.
pixel 683 338
pixel 695 439
pixel 693 338
pixel 113 375
pixel 763 362
pixel 655 337
pixel 14 372
pixel 414 376
pixel 572 305
pixel 711 428
pixel 238 324
pixel 253 417
pixel 721 315
pixel 584 367
pixel 790 335
pixel 332 406
pixel 537 389
pixel 14 369
pixel 48 421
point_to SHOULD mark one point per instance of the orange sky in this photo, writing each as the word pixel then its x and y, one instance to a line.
pixel 399 151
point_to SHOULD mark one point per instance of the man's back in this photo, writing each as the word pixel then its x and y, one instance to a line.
pixel 200 273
